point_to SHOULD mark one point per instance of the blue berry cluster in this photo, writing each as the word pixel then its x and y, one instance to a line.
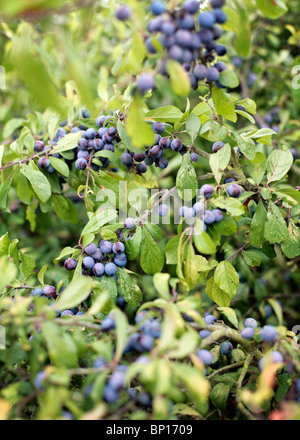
pixel 104 258
pixel 190 38
pixel 155 153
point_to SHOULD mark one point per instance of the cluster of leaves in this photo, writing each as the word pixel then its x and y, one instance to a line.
pixel 236 268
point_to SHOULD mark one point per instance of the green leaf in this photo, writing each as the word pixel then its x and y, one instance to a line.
pixel 133 245
pixel 227 226
pixel 76 292
pixel 233 206
pixel 99 219
pixel 66 143
pixel 272 9
pixel 193 125
pixel 64 208
pixel 190 267
pixel 276 229
pixel 204 243
pixel 230 315
pixel 139 131
pixel 224 106
pixel 130 290
pixel 11 126
pixel 60 166
pixel 291 246
pixel 66 251
pixel 227 278
pixel 8 272
pixel 219 161
pixel 161 284
pixel 111 156
pixel 179 78
pixel 258 225
pixel 42 273
pixel 229 79
pixel 252 258
pixel 165 114
pixel 186 180
pixel 152 258
pixel 216 294
pixel 172 250
pixel 121 332
pixel 38 181
pixel 219 395
pixel 278 164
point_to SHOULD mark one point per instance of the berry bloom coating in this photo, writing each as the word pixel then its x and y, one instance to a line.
pixel 191 6
pixel 212 74
pixel 142 168
pixel 164 143
pixel 126 159
pixel 217 3
pixel 250 322
pixel 194 157
pixel 98 256
pixel 118 247
pixel 204 334
pixel 200 72
pixel 70 264
pixel 209 217
pixel 176 145
pixel 274 357
pixel 123 13
pixel 37 292
pixel 210 319
pixel 105 246
pixel 207 191
pixel 163 210
pixel 108 323
pixel 218 215
pixel 234 190
pixel 157 7
pixel 228 180
pixel 110 269
pixel 247 333
pixel 90 249
pixel 67 313
pixel 88 263
pixel 145 82
pixel 39 146
pixel 199 208
pixel 120 260
pixel 98 269
pixel 129 223
pixel 268 334
pixel 158 127
pixel 81 164
pixel 226 348
pixel 49 291
pixel 207 19
pixel 44 162
pixel 206 357
pixel 217 146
